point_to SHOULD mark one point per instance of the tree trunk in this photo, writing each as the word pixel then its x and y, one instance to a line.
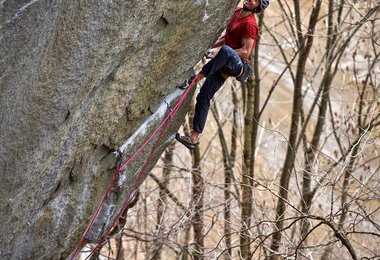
pixel 119 247
pixel 311 153
pixel 246 183
pixel 161 204
pixel 305 46
pixel 228 163
pixel 196 202
pixel 197 198
pixel 251 123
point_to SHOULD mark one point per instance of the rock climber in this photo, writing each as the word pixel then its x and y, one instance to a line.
pixel 232 60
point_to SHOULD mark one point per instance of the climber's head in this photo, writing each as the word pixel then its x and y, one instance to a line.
pixel 255 6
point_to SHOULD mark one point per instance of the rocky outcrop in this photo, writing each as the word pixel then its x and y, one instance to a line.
pixel 77 79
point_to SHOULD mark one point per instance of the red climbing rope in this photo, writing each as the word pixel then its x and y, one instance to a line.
pixel 164 124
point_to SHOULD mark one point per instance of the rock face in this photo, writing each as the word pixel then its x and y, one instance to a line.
pixel 77 79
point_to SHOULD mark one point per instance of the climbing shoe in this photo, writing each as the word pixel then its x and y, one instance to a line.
pixel 186 141
pixel 186 83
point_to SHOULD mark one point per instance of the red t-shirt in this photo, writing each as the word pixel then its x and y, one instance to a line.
pixel 239 28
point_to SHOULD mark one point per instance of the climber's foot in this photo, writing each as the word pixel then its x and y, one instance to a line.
pixel 186 141
pixel 186 83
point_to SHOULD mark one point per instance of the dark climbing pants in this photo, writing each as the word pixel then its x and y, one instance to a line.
pixel 231 64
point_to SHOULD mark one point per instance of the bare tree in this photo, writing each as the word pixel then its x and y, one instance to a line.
pixel 229 156
pixel 251 124
pixel 162 202
pixel 304 43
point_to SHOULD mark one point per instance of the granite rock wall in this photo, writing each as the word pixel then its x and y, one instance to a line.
pixel 78 79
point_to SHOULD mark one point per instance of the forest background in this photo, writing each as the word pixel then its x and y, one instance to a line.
pixel 288 166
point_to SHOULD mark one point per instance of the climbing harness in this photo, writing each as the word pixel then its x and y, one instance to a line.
pixel 244 74
pixel 225 75
pixel 164 126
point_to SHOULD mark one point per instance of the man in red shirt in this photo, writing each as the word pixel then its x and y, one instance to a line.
pixel 232 60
